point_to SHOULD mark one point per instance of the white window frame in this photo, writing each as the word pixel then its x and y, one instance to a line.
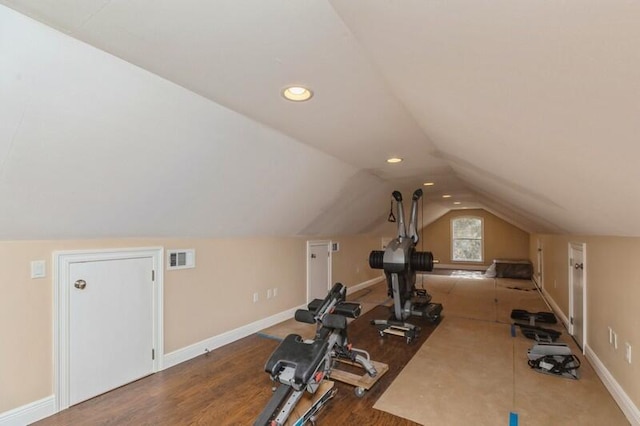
pixel 481 219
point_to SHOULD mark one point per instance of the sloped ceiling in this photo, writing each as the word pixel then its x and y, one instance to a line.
pixel 527 109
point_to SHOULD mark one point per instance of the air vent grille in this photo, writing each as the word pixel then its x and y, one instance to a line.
pixel 181 258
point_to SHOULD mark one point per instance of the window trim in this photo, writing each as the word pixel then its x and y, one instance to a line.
pixel 481 219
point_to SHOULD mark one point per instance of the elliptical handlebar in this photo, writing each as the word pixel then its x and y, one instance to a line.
pixel 413 218
pixel 402 230
pixel 413 222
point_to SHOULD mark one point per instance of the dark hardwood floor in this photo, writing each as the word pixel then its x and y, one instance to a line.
pixel 229 386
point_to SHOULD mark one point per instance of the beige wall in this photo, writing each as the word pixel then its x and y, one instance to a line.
pixel 350 265
pixel 197 300
pixel 501 239
pixel 613 296
pixel 215 297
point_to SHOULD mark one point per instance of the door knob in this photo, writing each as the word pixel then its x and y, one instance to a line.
pixel 80 284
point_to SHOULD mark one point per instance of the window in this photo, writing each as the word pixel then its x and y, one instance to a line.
pixel 466 239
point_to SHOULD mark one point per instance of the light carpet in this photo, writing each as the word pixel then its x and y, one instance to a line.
pixel 472 370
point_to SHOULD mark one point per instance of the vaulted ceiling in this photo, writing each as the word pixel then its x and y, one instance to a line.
pixel 164 118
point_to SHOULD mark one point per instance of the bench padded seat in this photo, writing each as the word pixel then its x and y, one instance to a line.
pixel 302 357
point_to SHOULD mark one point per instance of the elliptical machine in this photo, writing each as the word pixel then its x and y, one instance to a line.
pixel 400 261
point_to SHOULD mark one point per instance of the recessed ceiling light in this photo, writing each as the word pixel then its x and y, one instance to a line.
pixel 457 203
pixel 446 196
pixel 297 93
pixel 428 183
pixel 394 160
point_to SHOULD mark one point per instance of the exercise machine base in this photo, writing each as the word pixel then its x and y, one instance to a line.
pixel 430 311
pixel 397 328
pixel 363 382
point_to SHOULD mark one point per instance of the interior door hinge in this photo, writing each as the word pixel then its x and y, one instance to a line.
pixel 571 320
pixel 153 354
pixel 153 275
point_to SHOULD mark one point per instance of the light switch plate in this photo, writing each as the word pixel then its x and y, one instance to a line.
pixel 38 269
pixel 627 352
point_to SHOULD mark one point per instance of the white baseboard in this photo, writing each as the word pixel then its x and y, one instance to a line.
pixel 462 266
pixel 619 395
pixel 540 291
pixel 192 351
pixel 29 413
pixel 554 306
pixel 363 285
pixel 535 281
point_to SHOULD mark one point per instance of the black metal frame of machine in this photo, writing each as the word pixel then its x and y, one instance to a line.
pixel 400 261
pixel 302 365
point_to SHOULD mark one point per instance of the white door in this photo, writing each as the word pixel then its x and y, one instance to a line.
pixel 318 269
pixel 110 325
pixel 576 280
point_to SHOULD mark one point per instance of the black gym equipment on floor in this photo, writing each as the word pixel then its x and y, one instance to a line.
pixel 400 261
pixel 304 365
pixel 530 329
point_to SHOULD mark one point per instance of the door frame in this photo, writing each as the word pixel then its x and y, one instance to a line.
pixel 583 248
pixel 62 261
pixel 540 263
pixel 326 243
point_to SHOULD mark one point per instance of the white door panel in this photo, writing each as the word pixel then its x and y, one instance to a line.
pixel 318 267
pixel 110 325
